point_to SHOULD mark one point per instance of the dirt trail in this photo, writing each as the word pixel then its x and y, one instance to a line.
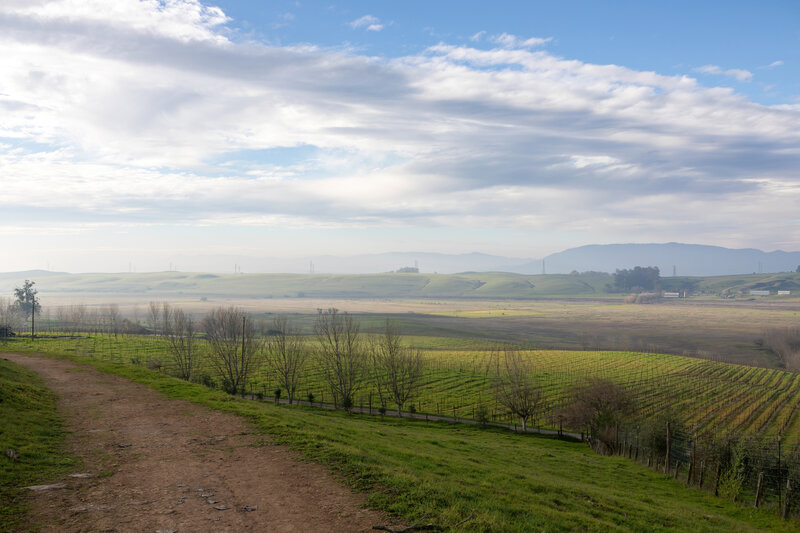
pixel 160 464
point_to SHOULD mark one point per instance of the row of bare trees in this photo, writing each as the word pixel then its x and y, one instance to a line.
pixel 347 359
pixel 785 344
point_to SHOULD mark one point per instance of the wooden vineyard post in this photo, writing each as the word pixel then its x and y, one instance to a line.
pixel 702 472
pixel 780 477
pixel 666 459
pixel 785 509
pixel 758 489
pixel 716 483
pixel 692 468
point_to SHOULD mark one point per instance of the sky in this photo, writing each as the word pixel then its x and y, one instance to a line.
pixel 154 134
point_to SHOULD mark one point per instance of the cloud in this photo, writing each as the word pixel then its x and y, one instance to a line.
pixel 738 74
pixel 774 64
pixel 141 116
pixel 511 41
pixel 367 21
pixel 477 36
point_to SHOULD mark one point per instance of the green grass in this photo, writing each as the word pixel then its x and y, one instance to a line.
pixel 30 425
pixel 435 472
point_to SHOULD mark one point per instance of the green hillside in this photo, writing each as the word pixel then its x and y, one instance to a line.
pixel 470 479
pixel 391 285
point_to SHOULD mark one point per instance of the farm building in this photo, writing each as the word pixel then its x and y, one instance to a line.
pixel 759 293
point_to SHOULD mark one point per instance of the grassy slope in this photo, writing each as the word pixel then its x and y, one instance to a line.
pixel 440 473
pixel 30 425
pixel 470 285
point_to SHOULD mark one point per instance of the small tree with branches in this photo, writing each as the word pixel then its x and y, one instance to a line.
pixel 27 302
pixel 286 355
pixel 341 353
pixel 180 332
pixel 515 386
pixel 235 351
pixel 397 368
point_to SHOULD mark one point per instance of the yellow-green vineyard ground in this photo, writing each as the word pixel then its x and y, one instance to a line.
pixel 706 395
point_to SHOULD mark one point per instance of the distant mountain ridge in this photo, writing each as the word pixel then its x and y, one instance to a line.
pixel 683 259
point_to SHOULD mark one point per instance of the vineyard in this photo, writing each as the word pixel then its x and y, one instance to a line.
pixel 705 396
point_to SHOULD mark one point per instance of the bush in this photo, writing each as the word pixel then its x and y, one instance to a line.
pixel 482 415
pixel 643 298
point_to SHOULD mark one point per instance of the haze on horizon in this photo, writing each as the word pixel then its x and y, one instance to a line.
pixel 136 132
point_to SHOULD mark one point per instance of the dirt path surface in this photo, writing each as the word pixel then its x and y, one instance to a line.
pixel 160 464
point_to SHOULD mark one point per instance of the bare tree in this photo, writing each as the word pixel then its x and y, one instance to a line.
pixel 78 317
pixel 601 406
pixel 180 333
pixel 515 386
pixel 342 354
pixel 154 317
pixel 286 355
pixel 234 349
pixel 397 368
pixel 785 344
pixel 111 318
pixel 11 319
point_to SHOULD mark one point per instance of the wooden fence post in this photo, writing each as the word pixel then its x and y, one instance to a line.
pixel 758 489
pixel 702 472
pixel 785 510
pixel 666 460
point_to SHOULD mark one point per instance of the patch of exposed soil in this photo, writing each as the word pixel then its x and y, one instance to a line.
pixel 158 464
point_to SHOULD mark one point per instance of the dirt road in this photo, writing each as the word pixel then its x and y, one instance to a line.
pixel 158 464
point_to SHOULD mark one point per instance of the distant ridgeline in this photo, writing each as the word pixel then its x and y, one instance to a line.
pixel 673 259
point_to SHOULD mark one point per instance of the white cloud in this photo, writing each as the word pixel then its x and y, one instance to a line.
pixel 367 21
pixel 738 74
pixel 774 64
pixel 477 36
pixel 156 117
pixel 186 20
pixel 511 41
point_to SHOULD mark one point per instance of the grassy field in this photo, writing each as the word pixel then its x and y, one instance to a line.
pixel 491 480
pixel 547 311
pixel 31 426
